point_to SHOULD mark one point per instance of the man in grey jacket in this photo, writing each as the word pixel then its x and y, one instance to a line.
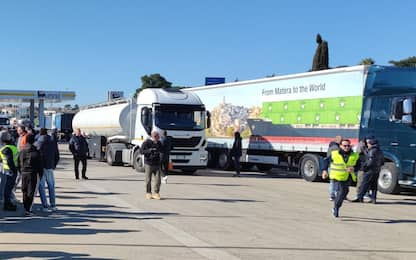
pixel 371 168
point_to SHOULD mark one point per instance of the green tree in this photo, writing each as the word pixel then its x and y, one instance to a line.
pixel 409 62
pixel 153 81
pixel 366 61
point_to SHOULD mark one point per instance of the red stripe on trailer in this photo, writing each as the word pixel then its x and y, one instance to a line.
pixel 296 139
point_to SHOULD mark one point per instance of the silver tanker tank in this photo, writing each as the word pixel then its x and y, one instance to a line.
pixel 107 119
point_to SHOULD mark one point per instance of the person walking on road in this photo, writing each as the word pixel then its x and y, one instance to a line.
pixel 342 164
pixel 20 144
pixel 371 168
pixel 30 166
pixel 79 149
pixel 165 153
pixel 9 156
pixel 236 152
pixel 333 146
pixel 363 152
pixel 50 158
pixel 151 149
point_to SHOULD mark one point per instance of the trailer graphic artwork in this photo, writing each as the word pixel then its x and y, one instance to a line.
pixel 314 106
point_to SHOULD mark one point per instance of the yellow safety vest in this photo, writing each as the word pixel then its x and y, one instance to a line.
pixel 6 166
pixel 339 167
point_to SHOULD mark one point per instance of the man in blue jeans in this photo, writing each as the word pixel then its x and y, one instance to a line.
pixel 333 146
pixel 50 157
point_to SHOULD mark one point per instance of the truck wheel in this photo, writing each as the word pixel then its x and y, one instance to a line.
pixel 211 159
pixel 264 167
pixel 309 167
pixel 224 161
pixel 138 163
pixel 387 181
pixel 109 156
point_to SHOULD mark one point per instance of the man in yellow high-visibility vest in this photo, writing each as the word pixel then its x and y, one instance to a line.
pixel 8 154
pixel 343 164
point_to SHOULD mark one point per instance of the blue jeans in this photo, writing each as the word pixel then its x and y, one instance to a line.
pixel 50 179
pixel 332 189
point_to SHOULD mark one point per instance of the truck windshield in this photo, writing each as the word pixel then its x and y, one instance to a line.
pixel 180 117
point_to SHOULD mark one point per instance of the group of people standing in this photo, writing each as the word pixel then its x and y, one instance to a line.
pixel 342 165
pixel 32 159
pixel 156 151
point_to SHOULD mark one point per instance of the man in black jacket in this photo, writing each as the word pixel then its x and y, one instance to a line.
pixel 236 152
pixel 79 149
pixel 30 166
pixel 151 149
pixel 371 168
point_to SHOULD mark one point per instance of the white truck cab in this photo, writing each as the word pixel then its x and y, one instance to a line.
pixel 126 124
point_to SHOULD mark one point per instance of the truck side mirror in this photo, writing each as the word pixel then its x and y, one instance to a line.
pixel 208 119
pixel 407 106
pixel 407 111
pixel 146 118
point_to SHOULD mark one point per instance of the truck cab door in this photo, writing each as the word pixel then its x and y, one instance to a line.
pixel 381 126
pixel 403 117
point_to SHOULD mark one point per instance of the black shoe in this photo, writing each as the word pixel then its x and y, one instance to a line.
pixel 85 177
pixel 335 212
pixel 357 200
pixel 372 201
pixel 76 178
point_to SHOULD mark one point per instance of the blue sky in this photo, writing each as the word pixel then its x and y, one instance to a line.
pixel 93 46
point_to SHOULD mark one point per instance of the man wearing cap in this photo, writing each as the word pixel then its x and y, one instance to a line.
pixel 8 154
pixel 371 168
pixel 343 164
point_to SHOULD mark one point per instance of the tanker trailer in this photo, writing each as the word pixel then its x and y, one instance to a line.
pixel 118 128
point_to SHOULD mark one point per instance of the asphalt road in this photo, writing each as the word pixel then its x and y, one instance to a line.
pixel 210 215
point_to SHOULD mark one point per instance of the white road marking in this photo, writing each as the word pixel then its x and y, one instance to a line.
pixel 198 246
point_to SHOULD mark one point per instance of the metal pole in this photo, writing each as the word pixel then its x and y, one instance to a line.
pixel 32 112
pixel 41 115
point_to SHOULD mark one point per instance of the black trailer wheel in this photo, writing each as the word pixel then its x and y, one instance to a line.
pixel 388 179
pixel 224 161
pixel 309 167
pixel 138 163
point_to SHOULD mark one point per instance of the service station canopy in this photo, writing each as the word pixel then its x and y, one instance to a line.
pixel 17 96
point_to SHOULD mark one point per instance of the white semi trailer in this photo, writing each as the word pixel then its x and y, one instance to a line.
pixel 118 128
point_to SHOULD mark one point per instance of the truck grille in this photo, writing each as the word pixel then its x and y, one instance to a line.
pixel 186 142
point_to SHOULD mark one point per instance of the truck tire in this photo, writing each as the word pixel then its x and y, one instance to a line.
pixel 211 159
pixel 264 167
pixel 109 156
pixel 388 179
pixel 224 161
pixel 309 167
pixel 138 163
